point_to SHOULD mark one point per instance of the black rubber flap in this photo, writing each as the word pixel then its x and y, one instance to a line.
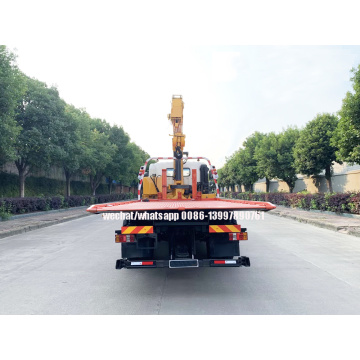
pixel 183 263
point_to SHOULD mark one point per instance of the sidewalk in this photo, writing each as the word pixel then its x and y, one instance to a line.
pixel 19 224
pixel 342 224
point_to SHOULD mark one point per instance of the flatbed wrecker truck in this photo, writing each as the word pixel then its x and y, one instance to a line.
pixel 178 221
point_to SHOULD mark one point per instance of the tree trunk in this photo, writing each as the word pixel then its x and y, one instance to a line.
pixel 92 184
pixel 95 182
pixel 267 185
pixel 291 188
pixel 110 186
pixel 23 173
pixel 328 178
pixel 290 183
pixel 249 187
pixel 22 179
pixel 68 180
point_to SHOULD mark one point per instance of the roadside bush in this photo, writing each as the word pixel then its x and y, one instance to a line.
pixel 5 210
pixel 12 206
pixel 339 203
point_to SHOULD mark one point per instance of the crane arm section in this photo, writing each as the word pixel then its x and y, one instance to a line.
pixel 176 118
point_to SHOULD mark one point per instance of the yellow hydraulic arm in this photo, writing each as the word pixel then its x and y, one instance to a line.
pixel 157 187
pixel 176 118
pixel 178 141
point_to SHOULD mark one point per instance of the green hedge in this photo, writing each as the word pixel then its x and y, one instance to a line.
pixel 336 202
pixel 41 186
pixel 13 206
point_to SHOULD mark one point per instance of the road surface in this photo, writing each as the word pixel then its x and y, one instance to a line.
pixel 70 269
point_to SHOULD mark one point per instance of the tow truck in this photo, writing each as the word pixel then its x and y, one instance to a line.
pixel 179 219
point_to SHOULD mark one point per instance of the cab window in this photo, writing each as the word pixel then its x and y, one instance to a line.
pixel 170 172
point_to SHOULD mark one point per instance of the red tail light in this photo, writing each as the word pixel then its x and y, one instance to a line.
pixel 120 238
pixel 238 236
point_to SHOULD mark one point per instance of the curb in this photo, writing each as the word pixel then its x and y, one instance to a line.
pixel 342 229
pixel 25 229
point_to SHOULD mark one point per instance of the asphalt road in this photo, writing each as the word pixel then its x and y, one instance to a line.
pixel 70 269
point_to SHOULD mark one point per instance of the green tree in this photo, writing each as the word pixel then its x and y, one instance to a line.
pixel 228 175
pixel 119 166
pixel 245 164
pixel 265 155
pixel 225 177
pixel 109 153
pixel 275 158
pixel 234 176
pixel 286 169
pixel 73 140
pixel 40 116
pixel 12 88
pixel 221 177
pixel 101 125
pixel 98 155
pixel 136 158
pixel 314 151
pixel 347 135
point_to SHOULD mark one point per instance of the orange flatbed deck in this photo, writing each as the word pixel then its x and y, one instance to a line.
pixel 182 205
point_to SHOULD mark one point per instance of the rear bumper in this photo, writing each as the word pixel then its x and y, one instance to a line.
pixel 185 263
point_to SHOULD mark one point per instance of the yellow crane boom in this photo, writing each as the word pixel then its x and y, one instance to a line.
pixel 178 141
pixel 176 118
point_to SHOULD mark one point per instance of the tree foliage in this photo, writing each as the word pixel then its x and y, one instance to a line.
pixel 120 164
pixel 314 151
pixel 136 158
pixel 347 135
pixel 274 156
pixel 12 87
pixel 266 153
pixel 286 169
pixel 225 178
pixel 73 142
pixel 99 154
pixel 244 162
pixel 226 174
pixel 40 116
pixel 39 130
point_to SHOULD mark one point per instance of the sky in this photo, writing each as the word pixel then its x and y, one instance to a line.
pixel 240 66
pixel 229 91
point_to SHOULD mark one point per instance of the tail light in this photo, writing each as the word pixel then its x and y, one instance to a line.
pixel 238 236
pixel 120 238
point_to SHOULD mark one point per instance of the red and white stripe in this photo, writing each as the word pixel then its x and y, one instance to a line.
pixel 224 262
pixel 141 263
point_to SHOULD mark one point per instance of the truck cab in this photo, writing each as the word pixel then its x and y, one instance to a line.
pixel 153 179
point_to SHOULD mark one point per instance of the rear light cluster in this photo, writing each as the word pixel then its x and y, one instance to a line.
pixel 238 236
pixel 119 238
pixel 224 262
